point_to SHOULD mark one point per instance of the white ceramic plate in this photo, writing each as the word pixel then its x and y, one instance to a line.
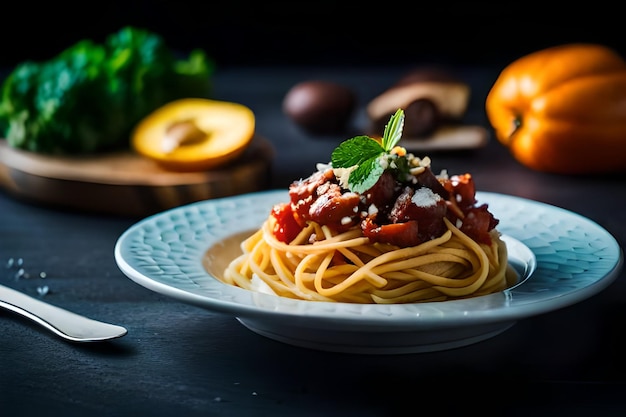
pixel 561 256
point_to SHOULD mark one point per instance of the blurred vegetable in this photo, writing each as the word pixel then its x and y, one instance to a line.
pixel 563 109
pixel 89 97
pixel 195 134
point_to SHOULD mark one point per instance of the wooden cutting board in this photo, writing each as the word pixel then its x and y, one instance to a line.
pixel 124 183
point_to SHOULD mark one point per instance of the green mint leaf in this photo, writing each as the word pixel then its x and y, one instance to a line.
pixel 355 151
pixel 365 154
pixel 393 130
pixel 402 166
pixel 366 175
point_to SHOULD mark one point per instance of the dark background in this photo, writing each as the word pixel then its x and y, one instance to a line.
pixel 319 33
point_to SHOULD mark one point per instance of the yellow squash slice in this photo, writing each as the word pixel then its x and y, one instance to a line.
pixel 194 134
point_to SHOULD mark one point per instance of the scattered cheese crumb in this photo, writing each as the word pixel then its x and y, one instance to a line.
pixel 425 197
pixel 343 175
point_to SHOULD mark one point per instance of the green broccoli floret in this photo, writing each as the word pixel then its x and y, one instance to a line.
pixel 89 97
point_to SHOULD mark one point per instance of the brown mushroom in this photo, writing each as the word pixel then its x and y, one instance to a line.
pixel 430 96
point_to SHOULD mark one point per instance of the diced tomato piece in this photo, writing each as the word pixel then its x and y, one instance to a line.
pixel 399 234
pixel 381 195
pixel 286 227
pixel 463 190
pixel 429 215
pixel 477 224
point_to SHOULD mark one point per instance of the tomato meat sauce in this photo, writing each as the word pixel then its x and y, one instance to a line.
pixel 402 213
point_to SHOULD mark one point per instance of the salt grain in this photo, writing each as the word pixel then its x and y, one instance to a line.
pixel 20 274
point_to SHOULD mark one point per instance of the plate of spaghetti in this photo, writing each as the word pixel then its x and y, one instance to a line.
pixel 373 253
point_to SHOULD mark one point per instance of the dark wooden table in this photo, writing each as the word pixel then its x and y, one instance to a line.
pixel 181 359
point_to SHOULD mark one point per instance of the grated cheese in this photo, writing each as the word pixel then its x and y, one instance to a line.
pixel 425 197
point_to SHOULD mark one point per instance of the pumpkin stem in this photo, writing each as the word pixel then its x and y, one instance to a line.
pixel 517 123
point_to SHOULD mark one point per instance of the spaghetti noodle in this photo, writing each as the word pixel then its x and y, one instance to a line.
pixel 450 266
pixel 410 237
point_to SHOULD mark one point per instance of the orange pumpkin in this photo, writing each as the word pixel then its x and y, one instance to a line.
pixel 563 109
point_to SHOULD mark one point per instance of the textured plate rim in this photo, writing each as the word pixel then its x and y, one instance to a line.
pixel 532 297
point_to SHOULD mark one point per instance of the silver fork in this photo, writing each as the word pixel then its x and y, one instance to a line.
pixel 64 323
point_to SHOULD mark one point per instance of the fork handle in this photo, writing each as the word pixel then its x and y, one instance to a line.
pixel 64 323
